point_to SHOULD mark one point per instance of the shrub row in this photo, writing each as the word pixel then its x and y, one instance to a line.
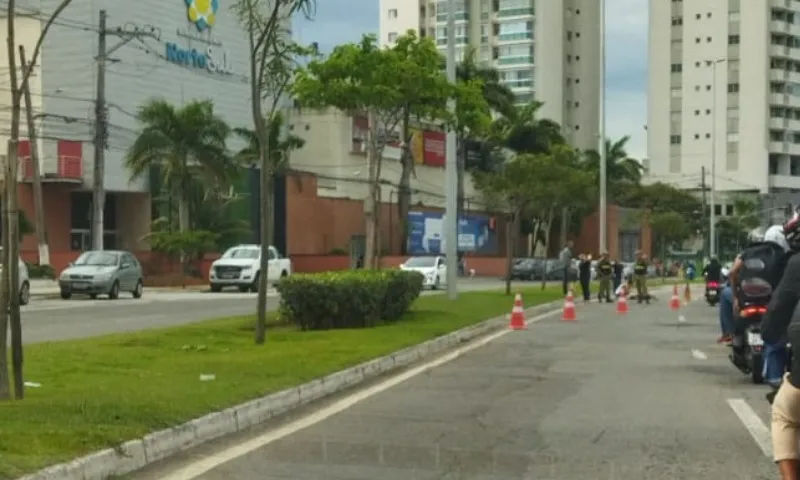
pixel 348 299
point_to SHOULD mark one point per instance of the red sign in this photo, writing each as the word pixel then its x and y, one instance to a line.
pixel 434 145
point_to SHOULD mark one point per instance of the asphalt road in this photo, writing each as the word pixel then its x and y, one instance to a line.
pixel 640 397
pixel 56 319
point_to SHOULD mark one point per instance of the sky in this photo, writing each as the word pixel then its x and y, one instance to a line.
pixel 626 56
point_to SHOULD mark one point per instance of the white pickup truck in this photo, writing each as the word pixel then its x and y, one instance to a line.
pixel 240 266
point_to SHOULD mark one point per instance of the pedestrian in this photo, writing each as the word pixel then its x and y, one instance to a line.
pixel 618 270
pixel 604 272
pixel 640 277
pixel 585 275
pixel 565 258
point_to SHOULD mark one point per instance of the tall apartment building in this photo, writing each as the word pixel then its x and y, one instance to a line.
pixel 546 50
pixel 724 85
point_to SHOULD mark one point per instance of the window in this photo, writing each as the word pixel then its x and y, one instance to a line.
pixel 392 37
pixel 697 40
pixel 675 139
pixel 677 21
pixel 697 112
pixel 697 136
pixel 708 111
pixel 392 13
pixel 708 39
pixel 676 68
pixel 675 93
pixel 733 39
pixel 698 16
pixel 733 88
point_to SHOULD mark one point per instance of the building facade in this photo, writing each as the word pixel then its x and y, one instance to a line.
pixel 547 50
pixel 180 55
pixel 724 92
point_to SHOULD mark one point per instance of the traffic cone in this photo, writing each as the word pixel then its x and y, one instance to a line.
pixel 569 308
pixel 517 314
pixel 675 301
pixel 687 294
pixel 622 301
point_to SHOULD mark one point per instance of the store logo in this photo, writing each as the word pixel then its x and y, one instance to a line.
pixel 203 13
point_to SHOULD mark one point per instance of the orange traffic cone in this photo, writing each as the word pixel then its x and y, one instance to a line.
pixel 675 301
pixel 622 301
pixel 569 308
pixel 517 314
pixel 687 294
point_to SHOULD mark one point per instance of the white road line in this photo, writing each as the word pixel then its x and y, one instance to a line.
pixel 699 354
pixel 753 423
pixel 196 469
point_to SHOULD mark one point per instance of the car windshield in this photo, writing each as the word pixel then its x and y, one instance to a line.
pixel 418 262
pixel 104 259
pixel 248 253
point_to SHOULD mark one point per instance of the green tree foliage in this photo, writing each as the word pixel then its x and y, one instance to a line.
pixel 621 169
pixel 282 145
pixel 668 228
pixel 184 143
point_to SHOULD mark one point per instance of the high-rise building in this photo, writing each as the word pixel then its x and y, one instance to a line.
pixel 724 90
pixel 546 50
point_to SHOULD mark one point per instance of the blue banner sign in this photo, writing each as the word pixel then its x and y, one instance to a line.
pixel 426 234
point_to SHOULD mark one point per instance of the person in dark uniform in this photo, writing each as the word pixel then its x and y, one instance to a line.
pixel 585 275
pixel 617 275
pixel 640 278
pixel 604 272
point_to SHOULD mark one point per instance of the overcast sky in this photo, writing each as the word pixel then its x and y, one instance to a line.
pixel 626 56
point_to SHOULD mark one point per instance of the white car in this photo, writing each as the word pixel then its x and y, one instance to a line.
pixel 434 269
pixel 24 282
pixel 240 266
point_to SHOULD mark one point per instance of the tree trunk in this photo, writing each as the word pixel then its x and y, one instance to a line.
pixel 372 202
pixel 404 185
pixel 12 266
pixel 266 232
pixel 548 225
pixel 5 383
pixel 461 162
pixel 510 224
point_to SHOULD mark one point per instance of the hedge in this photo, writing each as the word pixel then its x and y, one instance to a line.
pixel 348 299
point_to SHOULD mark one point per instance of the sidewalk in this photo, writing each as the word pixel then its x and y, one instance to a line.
pixel 42 287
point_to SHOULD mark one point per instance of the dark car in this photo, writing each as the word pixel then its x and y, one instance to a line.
pixel 523 269
pixel 555 270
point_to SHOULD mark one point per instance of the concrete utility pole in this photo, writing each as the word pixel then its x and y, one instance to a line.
pixel 602 208
pixel 451 166
pixel 125 34
pixel 712 240
pixel 38 199
pixel 705 203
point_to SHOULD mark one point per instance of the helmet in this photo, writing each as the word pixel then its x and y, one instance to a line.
pixel 791 232
pixel 775 235
pixel 755 235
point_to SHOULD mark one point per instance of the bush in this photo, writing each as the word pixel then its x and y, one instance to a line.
pixel 41 271
pixel 349 299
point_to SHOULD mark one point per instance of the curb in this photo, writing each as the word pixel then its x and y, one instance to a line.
pixel 137 454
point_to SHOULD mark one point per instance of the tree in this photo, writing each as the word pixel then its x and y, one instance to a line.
pixel 621 169
pixel 423 101
pixel 183 143
pixel 273 59
pixel 669 228
pixel 521 131
pixel 660 197
pixel 9 300
pixel 364 78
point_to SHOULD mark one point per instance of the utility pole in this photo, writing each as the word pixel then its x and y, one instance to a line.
pixel 125 35
pixel 602 208
pixel 703 187
pixel 38 199
pixel 713 214
pixel 451 166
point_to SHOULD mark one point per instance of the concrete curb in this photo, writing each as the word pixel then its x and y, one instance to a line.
pixel 137 454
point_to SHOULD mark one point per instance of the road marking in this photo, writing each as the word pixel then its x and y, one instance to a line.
pixel 699 354
pixel 753 423
pixel 196 469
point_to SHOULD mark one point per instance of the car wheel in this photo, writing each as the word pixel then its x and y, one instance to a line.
pixel 25 294
pixel 66 294
pixel 93 296
pixel 256 281
pixel 284 274
pixel 113 294
pixel 138 290
pixel 435 284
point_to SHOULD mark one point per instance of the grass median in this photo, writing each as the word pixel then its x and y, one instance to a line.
pixel 100 392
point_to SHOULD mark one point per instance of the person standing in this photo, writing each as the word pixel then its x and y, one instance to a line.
pixel 565 258
pixel 585 276
pixel 618 269
pixel 604 272
pixel 640 278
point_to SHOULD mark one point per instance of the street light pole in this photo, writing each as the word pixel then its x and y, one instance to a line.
pixel 602 208
pixel 451 174
pixel 712 228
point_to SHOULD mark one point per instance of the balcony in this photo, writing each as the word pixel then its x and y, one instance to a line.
pixel 67 168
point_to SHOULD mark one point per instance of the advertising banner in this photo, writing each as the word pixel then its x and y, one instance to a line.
pixel 476 233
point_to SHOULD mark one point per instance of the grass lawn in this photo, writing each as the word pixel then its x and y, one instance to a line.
pixel 100 392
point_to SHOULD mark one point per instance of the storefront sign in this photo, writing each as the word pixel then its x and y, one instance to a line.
pixel 215 61
pixel 213 58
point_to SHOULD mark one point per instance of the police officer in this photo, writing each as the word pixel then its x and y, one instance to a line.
pixel 640 278
pixel 604 271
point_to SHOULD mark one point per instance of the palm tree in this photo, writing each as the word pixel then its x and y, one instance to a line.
pixel 499 97
pixel 621 169
pixel 182 143
pixel 521 131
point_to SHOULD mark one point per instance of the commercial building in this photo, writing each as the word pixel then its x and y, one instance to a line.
pixel 546 50
pixel 184 55
pixel 724 79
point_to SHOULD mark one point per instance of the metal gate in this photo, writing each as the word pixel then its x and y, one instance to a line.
pixel 628 244
pixel 358 246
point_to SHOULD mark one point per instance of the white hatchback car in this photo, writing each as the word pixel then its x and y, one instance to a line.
pixel 434 269
pixel 24 282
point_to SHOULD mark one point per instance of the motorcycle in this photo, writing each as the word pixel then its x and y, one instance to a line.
pixel 750 355
pixel 712 292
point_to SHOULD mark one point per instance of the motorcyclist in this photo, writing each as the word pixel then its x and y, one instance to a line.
pixel 713 271
pixel 778 323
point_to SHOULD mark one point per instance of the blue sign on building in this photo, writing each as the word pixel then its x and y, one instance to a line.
pixel 206 60
pixel 426 234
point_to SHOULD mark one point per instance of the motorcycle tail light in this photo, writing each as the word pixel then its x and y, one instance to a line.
pixel 752 311
pixel 713 284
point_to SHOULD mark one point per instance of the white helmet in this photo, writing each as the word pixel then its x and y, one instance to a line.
pixel 756 235
pixel 775 235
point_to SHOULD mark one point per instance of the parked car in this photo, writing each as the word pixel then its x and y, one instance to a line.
pixel 524 269
pixel 24 281
pixel 240 266
pixel 434 269
pixel 102 272
pixel 555 270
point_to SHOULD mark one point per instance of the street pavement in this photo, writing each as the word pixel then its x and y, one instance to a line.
pixel 80 317
pixel 610 397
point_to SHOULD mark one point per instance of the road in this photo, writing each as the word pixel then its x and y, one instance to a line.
pixel 56 319
pixel 640 397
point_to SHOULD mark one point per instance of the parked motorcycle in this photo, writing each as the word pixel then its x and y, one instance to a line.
pixel 713 291
pixel 749 356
